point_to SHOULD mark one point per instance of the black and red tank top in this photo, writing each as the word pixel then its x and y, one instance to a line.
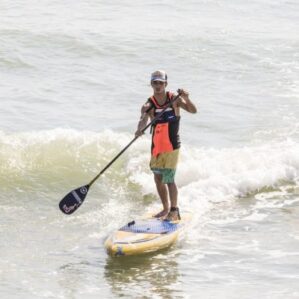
pixel 165 130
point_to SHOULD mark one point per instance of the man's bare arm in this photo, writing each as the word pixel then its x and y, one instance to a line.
pixel 143 119
pixel 185 102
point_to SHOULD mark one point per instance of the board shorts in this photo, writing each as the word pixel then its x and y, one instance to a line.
pixel 165 164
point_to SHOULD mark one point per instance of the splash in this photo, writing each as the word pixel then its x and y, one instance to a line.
pixel 48 158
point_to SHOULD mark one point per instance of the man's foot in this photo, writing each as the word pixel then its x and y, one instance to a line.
pixel 161 214
pixel 174 214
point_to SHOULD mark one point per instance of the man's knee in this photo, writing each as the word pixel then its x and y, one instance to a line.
pixel 171 185
pixel 158 179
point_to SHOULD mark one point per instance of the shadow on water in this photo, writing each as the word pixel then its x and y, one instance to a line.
pixel 152 275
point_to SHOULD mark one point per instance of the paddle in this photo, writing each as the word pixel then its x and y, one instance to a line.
pixel 73 200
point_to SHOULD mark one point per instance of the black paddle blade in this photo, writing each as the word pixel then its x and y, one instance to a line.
pixel 73 200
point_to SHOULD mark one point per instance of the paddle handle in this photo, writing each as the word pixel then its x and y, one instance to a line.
pixel 133 140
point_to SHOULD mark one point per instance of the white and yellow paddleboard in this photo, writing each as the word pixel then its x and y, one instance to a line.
pixel 145 235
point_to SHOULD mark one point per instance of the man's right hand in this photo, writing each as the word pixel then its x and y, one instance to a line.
pixel 138 133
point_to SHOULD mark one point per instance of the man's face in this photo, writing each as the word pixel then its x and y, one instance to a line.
pixel 159 86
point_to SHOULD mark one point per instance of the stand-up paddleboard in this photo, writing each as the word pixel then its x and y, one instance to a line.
pixel 145 235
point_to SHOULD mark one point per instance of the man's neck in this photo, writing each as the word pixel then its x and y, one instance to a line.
pixel 160 97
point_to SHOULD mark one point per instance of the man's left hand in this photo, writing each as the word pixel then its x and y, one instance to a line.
pixel 184 93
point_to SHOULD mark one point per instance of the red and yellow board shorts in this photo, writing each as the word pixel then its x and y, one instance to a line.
pixel 165 164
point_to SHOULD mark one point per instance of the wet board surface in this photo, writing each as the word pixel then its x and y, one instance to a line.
pixel 150 226
pixel 146 234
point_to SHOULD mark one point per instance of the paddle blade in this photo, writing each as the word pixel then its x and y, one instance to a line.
pixel 73 200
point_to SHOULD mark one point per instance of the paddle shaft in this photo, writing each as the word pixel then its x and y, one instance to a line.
pixel 136 137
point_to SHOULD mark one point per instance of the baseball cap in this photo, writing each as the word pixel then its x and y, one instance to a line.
pixel 159 76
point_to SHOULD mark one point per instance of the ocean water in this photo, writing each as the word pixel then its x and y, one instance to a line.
pixel 73 78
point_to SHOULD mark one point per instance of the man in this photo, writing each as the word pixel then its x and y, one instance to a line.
pixel 165 140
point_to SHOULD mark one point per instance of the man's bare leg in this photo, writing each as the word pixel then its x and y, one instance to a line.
pixel 173 194
pixel 163 193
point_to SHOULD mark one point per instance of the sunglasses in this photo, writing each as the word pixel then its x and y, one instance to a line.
pixel 158 82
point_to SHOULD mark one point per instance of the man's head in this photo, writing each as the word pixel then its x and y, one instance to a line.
pixel 159 81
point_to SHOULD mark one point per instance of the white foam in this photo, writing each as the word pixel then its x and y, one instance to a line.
pixel 213 175
pixel 204 175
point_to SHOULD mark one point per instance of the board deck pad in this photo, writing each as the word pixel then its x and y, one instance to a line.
pixel 150 226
